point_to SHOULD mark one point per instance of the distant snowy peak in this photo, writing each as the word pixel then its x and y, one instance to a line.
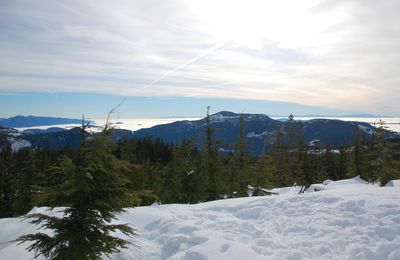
pixel 226 116
pixel 257 117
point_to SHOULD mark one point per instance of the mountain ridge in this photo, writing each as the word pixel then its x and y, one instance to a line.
pixel 33 121
pixel 258 128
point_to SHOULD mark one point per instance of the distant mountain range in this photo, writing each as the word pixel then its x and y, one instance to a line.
pixel 257 128
pixel 32 121
pixel 52 140
pixel 41 131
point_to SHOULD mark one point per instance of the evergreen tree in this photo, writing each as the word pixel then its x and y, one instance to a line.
pixel 231 174
pixel 241 145
pixel 342 162
pixel 94 192
pixel 312 164
pixel 318 164
pixel 329 164
pixel 291 142
pixel 280 152
pixel 210 162
pixel 6 176
pixel 359 158
pixel 138 185
pixel 239 163
pixel 262 175
pixel 152 180
pixel 295 133
pixel 3 184
pixel 184 171
pixel 26 183
pixel 173 187
pixel 383 165
pixel 301 168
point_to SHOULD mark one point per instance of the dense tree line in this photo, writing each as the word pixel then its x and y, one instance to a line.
pixel 171 173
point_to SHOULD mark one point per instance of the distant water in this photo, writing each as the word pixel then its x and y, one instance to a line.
pixel 134 124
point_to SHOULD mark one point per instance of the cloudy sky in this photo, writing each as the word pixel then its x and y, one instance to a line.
pixel 331 55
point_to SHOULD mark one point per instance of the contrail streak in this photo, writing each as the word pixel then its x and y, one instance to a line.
pixel 201 55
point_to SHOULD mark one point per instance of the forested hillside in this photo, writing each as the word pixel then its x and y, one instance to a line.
pixel 184 173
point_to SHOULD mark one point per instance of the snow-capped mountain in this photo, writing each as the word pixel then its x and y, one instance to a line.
pixel 257 128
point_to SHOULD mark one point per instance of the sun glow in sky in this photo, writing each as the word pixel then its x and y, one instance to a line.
pixel 252 23
pixel 335 54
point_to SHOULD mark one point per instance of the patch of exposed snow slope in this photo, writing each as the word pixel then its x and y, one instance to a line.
pixel 349 219
pixel 261 135
pixel 365 129
pixel 220 117
pixel 18 144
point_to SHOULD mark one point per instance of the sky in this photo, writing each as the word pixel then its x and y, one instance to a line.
pixel 66 58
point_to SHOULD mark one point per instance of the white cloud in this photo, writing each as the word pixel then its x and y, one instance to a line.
pixel 339 54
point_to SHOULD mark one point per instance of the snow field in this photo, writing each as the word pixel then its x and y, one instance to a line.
pixel 348 219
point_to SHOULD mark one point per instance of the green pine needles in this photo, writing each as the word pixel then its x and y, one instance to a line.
pixel 93 193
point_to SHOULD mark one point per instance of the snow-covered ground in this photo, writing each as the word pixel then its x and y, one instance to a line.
pixel 347 219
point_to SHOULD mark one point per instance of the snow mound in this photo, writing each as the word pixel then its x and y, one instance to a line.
pixel 286 190
pixel 316 187
pixel 393 183
pixel 329 184
pixel 349 219
pixel 355 180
